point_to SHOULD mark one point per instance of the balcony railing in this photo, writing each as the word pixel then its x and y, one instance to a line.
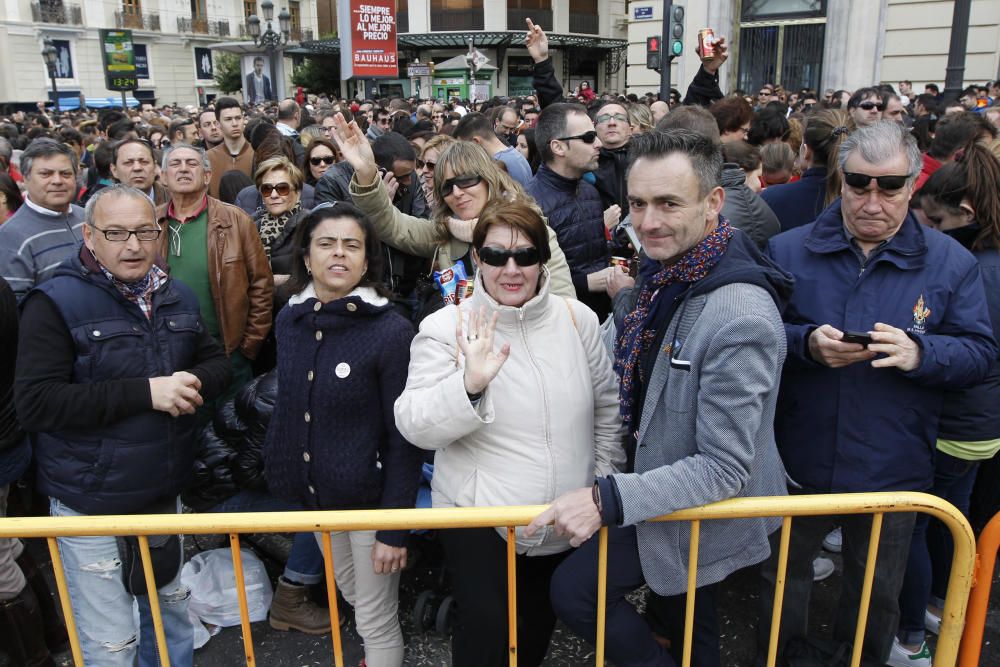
pixel 588 24
pixel 457 19
pixel 540 17
pixel 195 24
pixel 137 21
pixel 219 28
pixel 301 35
pixel 56 12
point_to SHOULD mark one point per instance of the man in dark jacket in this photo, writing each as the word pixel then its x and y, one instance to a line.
pixel 568 146
pixel 862 414
pixel 113 361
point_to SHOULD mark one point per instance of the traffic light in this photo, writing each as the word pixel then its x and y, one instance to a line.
pixel 653 52
pixel 675 43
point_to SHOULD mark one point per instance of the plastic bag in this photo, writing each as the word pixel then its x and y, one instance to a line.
pixel 212 580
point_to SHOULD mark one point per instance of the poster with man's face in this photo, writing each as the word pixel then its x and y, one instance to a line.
pixel 257 85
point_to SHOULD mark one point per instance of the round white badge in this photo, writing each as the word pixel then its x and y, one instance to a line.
pixel 342 370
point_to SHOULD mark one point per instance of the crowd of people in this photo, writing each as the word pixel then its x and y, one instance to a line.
pixel 615 306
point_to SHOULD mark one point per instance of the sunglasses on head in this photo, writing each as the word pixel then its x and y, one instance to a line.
pixel 861 181
pixel 499 256
pixel 587 137
pixel 281 188
pixel 317 161
pixel 868 106
pixel 426 163
pixel 462 182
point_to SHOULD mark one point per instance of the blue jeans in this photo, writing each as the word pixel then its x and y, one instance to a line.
pixel 305 561
pixel 102 607
pixel 931 549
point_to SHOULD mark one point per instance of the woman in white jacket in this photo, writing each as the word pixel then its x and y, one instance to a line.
pixel 514 391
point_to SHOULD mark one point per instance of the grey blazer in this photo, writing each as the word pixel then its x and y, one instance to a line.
pixel 707 434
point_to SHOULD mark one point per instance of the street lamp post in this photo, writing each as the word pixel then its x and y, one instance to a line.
pixel 270 39
pixel 49 55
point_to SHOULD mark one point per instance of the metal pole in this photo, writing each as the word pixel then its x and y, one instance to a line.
pixel 274 80
pixel 955 71
pixel 665 58
pixel 124 103
pixel 55 88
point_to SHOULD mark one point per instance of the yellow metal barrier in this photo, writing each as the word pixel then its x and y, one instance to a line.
pixel 788 507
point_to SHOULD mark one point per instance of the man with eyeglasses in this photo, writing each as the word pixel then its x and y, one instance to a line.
pixel 215 250
pixel 113 361
pixel 886 316
pixel 381 123
pixel 866 106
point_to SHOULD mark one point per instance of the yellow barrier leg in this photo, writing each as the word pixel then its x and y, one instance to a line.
pixel 331 597
pixel 241 593
pixel 512 595
pixel 154 600
pixel 67 607
pixel 779 590
pixel 866 589
pixel 602 593
pixel 692 590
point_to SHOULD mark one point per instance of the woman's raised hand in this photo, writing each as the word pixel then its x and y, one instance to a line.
pixel 482 363
pixel 354 148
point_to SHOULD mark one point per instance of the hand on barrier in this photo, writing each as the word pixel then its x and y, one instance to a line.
pixel 826 347
pixel 386 559
pixel 176 394
pixel 573 514
pixel 482 363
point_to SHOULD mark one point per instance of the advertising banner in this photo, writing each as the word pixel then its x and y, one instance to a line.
pixel 368 39
pixel 119 60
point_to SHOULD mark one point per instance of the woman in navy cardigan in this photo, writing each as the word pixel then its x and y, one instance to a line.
pixel 332 443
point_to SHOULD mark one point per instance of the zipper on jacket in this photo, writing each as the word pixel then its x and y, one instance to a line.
pixel 545 406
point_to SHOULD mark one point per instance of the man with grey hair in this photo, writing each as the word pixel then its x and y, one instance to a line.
pixel 113 361
pixel 46 230
pixel 886 316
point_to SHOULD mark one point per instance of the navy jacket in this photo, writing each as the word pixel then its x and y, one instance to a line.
pixel 860 428
pixel 332 442
pixel 100 446
pixel 575 213
pixel 798 203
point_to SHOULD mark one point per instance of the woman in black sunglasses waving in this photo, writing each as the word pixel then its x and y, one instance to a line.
pixel 466 179
pixel 513 391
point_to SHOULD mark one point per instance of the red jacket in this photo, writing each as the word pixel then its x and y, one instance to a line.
pixel 930 166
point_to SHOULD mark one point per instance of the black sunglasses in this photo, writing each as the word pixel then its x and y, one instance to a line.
pixel 587 137
pixel 281 188
pixel 868 106
pixel 462 182
pixel 317 161
pixel 499 257
pixel 861 181
pixel 425 163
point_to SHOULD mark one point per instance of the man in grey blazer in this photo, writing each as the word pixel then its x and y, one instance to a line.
pixel 699 360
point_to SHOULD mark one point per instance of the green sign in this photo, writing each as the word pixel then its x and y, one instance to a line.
pixel 119 60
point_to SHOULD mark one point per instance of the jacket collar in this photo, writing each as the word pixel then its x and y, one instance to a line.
pixel 534 309
pixel 556 181
pixel 41 210
pixel 362 300
pixel 906 249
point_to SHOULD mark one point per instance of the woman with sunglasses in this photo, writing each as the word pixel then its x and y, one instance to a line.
pixel 320 156
pixel 514 392
pixel 428 159
pixel 466 179
pixel 280 185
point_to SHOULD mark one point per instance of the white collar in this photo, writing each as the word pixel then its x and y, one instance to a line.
pixel 367 294
pixel 42 210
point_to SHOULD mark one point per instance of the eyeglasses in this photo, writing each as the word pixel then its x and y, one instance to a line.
pixel 861 181
pixel 424 163
pixel 588 137
pixel 499 257
pixel 765 93
pixel 463 182
pixel 384 121
pixel 605 117
pixel 317 161
pixel 281 188
pixel 122 235
pixel 868 106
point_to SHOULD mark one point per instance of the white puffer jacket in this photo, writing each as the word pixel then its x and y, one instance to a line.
pixel 546 424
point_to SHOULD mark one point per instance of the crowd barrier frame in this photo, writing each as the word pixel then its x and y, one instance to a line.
pixel 787 507
pixel 979 599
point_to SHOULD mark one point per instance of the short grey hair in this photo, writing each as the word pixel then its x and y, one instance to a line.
pixel 702 151
pixel 45 147
pixel 200 151
pixel 881 140
pixel 118 190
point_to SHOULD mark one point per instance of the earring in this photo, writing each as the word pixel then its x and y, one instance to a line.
pixel 309 271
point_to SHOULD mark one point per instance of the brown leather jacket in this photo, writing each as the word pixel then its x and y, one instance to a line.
pixel 242 284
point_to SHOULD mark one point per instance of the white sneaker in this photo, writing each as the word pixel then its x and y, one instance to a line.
pixel 822 568
pixel 834 541
pixel 932 622
pixel 900 657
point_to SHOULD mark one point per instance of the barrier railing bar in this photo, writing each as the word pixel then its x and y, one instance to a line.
pixel 154 600
pixel 67 605
pixel 779 590
pixel 972 640
pixel 331 600
pixel 602 593
pixel 512 595
pixel 692 588
pixel 866 589
pixel 241 594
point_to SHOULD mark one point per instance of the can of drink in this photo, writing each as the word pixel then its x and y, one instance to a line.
pixel 706 42
pixel 463 290
pixel 623 262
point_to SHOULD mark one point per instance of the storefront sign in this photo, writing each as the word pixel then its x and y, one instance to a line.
pixel 418 70
pixel 368 39
pixel 119 60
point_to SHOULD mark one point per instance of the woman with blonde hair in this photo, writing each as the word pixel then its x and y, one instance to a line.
pixel 640 118
pixel 466 179
pixel 426 162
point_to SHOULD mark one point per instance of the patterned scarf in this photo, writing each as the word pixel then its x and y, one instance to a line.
pixel 141 291
pixel 638 330
pixel 272 227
